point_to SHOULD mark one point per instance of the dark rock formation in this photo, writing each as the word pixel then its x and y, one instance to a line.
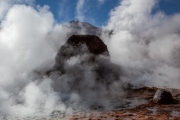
pixel 79 45
pixel 95 44
pixel 82 65
pixel 163 96
pixel 86 52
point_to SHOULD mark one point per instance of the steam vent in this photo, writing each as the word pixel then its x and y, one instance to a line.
pixel 83 66
pixel 78 45
pixel 90 60
pixel 86 59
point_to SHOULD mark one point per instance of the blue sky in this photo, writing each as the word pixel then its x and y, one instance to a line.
pixel 96 12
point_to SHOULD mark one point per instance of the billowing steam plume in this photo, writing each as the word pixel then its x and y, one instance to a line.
pixel 144 49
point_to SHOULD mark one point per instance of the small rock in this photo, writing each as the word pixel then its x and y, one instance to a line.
pixel 163 96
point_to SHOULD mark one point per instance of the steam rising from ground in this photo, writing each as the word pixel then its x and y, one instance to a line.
pixel 25 45
pixel 145 46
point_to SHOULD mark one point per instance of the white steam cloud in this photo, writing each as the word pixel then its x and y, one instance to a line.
pixel 145 46
pixel 28 41
pixel 5 5
pixel 79 10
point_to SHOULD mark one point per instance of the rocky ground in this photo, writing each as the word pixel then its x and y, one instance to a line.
pixel 145 111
